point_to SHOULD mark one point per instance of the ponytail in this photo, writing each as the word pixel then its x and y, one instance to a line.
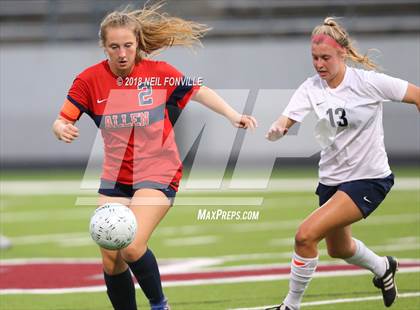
pixel 333 29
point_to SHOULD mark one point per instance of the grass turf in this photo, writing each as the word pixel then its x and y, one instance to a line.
pixel 395 224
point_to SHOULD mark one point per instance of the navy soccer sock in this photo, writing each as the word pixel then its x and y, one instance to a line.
pixel 147 274
pixel 120 290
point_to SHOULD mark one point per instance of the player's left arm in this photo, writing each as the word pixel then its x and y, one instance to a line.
pixel 213 101
pixel 412 95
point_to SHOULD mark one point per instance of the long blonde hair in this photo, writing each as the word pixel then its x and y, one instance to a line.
pixel 336 31
pixel 154 30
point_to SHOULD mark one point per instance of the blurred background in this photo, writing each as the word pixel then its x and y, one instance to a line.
pixel 255 45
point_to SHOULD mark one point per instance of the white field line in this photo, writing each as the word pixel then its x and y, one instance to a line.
pixel 56 215
pixel 61 187
pixel 84 213
pixel 336 301
pixel 324 274
pixel 82 238
pixel 328 274
pixel 293 224
pixel 185 263
pixel 212 200
pixel 49 260
pixel 48 238
pixel 191 241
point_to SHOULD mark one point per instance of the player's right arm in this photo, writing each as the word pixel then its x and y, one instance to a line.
pixel 299 106
pixel 65 130
pixel 75 104
pixel 63 126
pixel 279 128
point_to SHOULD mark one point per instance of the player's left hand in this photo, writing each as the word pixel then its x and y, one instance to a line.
pixel 245 121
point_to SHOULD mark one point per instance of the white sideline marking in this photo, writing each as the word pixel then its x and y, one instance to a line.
pixel 336 301
pixel 62 187
pixel 188 265
pixel 77 239
pixel 349 273
pixel 56 215
pixel 199 240
pixel 193 201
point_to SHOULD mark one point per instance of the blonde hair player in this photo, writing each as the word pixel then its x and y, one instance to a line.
pixel 142 168
pixel 354 175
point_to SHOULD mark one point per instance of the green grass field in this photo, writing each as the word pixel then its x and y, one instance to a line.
pixel 51 226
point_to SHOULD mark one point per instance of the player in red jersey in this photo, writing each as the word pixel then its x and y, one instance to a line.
pixel 130 98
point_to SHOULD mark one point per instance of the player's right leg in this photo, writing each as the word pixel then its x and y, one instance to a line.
pixel 117 275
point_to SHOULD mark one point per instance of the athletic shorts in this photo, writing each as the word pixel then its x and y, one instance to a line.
pixel 117 189
pixel 366 194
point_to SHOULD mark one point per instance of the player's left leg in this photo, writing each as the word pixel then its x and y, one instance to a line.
pixel 149 207
pixel 341 244
pixel 367 195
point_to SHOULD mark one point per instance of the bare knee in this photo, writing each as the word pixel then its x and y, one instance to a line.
pixel 113 263
pixel 305 237
pixel 133 252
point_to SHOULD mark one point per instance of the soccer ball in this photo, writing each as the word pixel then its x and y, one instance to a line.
pixel 113 226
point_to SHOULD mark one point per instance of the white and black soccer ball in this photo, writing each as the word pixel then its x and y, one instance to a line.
pixel 113 226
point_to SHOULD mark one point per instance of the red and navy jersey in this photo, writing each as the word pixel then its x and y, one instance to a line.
pixel 134 116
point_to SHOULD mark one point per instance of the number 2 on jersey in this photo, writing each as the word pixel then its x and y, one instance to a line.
pixel 342 120
pixel 145 94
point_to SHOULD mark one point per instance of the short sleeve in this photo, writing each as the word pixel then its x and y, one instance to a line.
pixel 182 88
pixel 79 95
pixel 385 87
pixel 299 105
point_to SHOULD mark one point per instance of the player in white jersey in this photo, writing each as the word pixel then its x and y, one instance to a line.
pixel 354 175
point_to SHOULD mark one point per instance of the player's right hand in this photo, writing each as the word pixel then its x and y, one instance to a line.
pixel 66 132
pixel 276 132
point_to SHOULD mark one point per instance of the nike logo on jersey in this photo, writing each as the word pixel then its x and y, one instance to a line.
pixel 366 199
pixel 100 101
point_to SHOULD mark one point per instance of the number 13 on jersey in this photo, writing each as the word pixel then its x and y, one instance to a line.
pixel 341 115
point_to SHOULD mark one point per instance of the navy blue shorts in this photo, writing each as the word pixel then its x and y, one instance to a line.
pixel 366 194
pixel 117 189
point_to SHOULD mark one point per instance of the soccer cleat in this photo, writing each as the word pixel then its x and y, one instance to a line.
pixel 387 282
pixel 281 307
pixel 164 305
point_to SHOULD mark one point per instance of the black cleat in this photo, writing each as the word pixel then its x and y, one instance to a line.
pixel 281 307
pixel 387 282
